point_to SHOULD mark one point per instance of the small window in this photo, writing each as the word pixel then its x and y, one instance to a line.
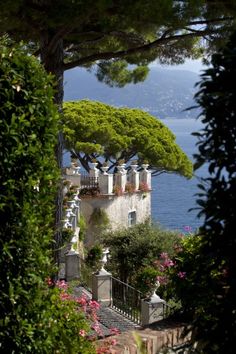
pixel 132 218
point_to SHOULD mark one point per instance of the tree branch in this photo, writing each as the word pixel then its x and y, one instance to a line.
pixel 160 172
pixel 134 50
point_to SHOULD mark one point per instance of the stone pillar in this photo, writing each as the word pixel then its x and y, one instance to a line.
pixel 152 310
pixel 145 176
pixel 105 183
pixel 121 179
pixel 101 287
pixel 134 178
pixel 72 266
pixel 94 171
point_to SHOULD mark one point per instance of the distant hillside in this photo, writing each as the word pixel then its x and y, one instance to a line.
pixel 165 93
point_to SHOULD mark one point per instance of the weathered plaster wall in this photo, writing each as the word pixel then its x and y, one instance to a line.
pixel 117 209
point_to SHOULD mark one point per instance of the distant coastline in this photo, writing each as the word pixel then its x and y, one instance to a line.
pixel 165 93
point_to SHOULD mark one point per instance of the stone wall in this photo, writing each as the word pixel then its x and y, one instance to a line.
pixel 117 209
pixel 124 196
pixel 154 340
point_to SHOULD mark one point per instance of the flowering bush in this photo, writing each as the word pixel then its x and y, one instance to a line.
pixel 118 191
pixel 129 187
pixel 69 321
pixel 134 248
pixel 75 321
pixel 168 271
pixel 143 187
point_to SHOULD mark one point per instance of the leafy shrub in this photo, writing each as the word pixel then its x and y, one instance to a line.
pixel 210 265
pixel 181 277
pixel 99 218
pixel 83 227
pixel 66 324
pixel 31 319
pixel 146 279
pixel 94 255
pixel 138 246
pixel 67 235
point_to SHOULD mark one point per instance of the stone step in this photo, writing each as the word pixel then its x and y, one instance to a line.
pixel 108 317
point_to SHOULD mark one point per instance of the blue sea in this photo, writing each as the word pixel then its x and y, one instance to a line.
pixel 173 195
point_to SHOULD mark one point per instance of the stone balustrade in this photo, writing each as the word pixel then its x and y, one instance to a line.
pixel 123 180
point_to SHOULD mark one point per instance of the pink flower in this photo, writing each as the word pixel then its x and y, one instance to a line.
pixel 61 284
pixel 64 296
pixel 187 228
pixel 181 275
pixel 81 300
pixel 49 281
pixel 113 342
pixel 103 350
pixel 94 304
pixel 82 333
pixel 163 280
pixel 168 263
pixel 96 327
pixel 164 255
pixel 114 330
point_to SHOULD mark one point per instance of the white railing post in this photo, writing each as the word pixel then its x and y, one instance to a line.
pixel 145 176
pixel 105 182
pixel 134 177
pixel 121 177
pixel 72 265
pixel 94 171
pixel 152 310
pixel 101 283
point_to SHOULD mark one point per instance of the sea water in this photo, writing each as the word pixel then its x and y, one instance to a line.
pixel 173 195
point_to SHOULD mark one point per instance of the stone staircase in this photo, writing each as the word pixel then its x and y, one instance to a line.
pixel 108 317
pixel 159 336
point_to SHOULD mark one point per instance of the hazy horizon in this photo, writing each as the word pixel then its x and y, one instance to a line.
pixel 190 65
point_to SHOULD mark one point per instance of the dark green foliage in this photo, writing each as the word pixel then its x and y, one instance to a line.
pixel 67 235
pixel 32 318
pixel 28 175
pixel 106 36
pixel 138 246
pixel 99 218
pixel 82 227
pixel 183 289
pixel 96 130
pixel 94 255
pixel 145 280
pixel 116 73
pixel 211 266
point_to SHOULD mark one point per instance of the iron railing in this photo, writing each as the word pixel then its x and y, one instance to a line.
pixel 126 300
pixel 88 182
pixel 89 186
pixel 167 310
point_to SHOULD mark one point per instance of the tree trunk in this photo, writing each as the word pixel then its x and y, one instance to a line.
pixel 52 60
